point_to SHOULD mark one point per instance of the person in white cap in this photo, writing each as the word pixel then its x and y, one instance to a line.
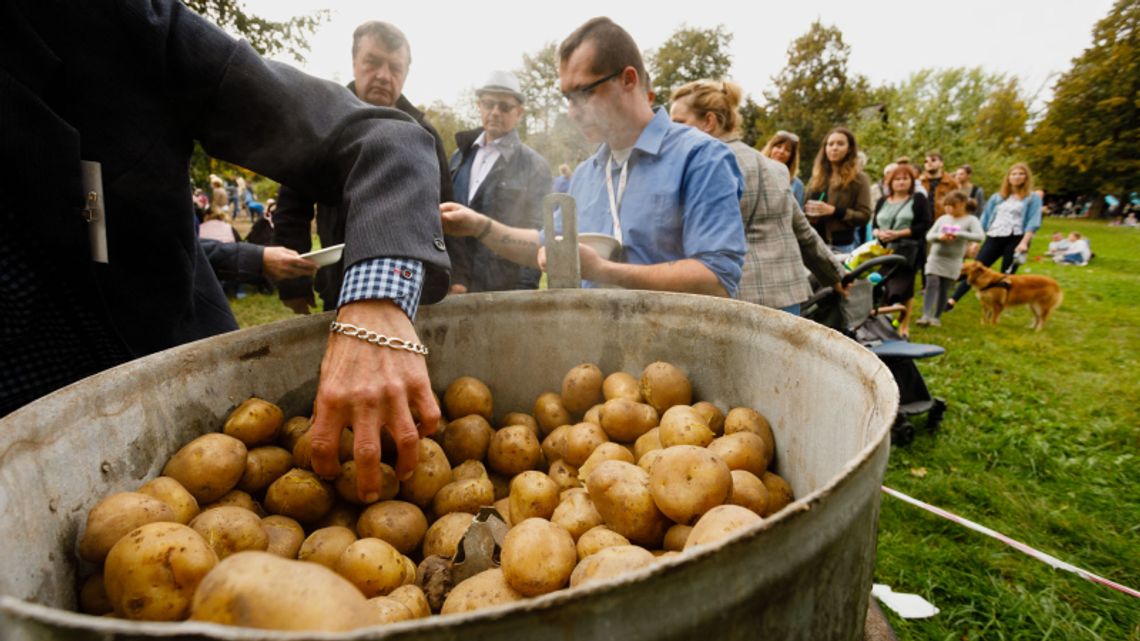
pixel 494 173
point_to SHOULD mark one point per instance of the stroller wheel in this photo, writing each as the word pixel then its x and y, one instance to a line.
pixel 902 432
pixel 934 416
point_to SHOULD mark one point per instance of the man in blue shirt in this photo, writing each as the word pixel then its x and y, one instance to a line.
pixel 669 193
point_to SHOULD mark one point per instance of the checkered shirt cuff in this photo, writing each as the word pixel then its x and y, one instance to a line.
pixel 399 279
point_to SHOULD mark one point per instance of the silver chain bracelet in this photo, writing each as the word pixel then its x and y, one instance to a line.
pixel 380 340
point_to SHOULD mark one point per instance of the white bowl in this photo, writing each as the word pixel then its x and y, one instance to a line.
pixel 607 246
pixel 326 256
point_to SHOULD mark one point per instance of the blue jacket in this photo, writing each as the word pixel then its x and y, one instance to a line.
pixel 1031 221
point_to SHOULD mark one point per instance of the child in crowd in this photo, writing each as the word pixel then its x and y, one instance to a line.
pixel 1076 252
pixel 1058 246
pixel 948 238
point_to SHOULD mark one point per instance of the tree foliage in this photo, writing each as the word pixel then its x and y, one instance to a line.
pixel 687 55
pixel 1088 140
pixel 538 77
pixel 268 37
pixel 448 122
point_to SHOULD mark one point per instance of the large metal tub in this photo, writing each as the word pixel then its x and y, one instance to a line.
pixel 803 574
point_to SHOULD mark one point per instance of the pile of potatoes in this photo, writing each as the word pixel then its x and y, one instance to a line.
pixel 607 475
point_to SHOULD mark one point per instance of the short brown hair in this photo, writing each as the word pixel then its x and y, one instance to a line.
pixel 956 196
pixel 385 32
pixel 614 48
pixel 905 170
pixel 934 154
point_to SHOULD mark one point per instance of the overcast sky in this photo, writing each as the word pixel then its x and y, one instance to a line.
pixel 455 44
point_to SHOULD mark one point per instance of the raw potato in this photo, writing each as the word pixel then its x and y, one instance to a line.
pixel 172 493
pixel 468 395
pixel 779 492
pixel 719 523
pixel 263 466
pixel 324 546
pixel 514 449
pixel 746 419
pixel 610 562
pixel 229 530
pixel 152 573
pixel 345 484
pixel 486 589
pixel 373 566
pixel 622 385
pixel 400 523
pixel 742 451
pixel 469 470
pixel 682 425
pixel 254 422
pixel 502 485
pixel 260 590
pixel 646 443
pixel 714 418
pixel 285 535
pixel 519 418
pixel 442 538
pixel 688 481
pixel 554 442
pixel 597 539
pixel 748 491
pixel 602 453
pixel 93 597
pixel 503 507
pixel 663 385
pixel 412 598
pixel 646 462
pixel 538 557
pixel 582 388
pixel 114 517
pixel 576 513
pixel 389 610
pixel 565 475
pixel 620 492
pixel 593 415
pixel 580 441
pixel 467 439
pixel 624 420
pixel 236 498
pixel 676 536
pixel 533 494
pixel 341 515
pixel 209 466
pixel 464 496
pixel 432 472
pixel 303 449
pixel 550 412
pixel 292 430
pixel 299 495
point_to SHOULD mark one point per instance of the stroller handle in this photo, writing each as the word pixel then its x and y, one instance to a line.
pixel 881 261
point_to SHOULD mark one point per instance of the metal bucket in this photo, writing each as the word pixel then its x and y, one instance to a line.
pixel 805 573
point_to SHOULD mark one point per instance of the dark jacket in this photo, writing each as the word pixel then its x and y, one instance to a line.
pixel 852 204
pixel 132 84
pixel 293 220
pixel 512 194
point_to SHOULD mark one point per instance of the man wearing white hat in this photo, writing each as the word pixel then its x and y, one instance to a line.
pixel 494 173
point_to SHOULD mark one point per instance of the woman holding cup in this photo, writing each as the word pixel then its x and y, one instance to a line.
pixel 838 194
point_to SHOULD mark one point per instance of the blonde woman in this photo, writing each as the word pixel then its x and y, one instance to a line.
pixel 838 194
pixel 784 148
pixel 780 240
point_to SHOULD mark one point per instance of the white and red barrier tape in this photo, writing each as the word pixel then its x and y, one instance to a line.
pixel 1017 545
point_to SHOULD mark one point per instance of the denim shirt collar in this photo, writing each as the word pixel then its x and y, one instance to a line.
pixel 650 140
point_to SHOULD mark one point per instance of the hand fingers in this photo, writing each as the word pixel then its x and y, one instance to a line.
pixel 328 422
pixel 366 453
pixel 427 409
pixel 403 431
pixel 541 258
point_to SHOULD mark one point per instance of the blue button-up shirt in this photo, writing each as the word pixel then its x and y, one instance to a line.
pixel 682 200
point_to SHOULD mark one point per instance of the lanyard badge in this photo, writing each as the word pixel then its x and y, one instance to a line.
pixel 615 199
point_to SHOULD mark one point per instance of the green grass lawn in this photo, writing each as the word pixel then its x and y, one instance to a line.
pixel 1040 442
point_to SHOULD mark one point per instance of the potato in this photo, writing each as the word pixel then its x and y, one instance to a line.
pixel 624 420
pixel 229 529
pixel 254 422
pixel 399 523
pixel 303 454
pixel 604 452
pixel 676 536
pixel 682 425
pixel 620 492
pixel 580 441
pixel 538 557
pixel 467 439
pixel 236 498
pixel 565 475
pixel 325 545
pixel 519 418
pixel 443 536
pixel 469 470
pixel 533 494
pixel 746 419
pixel 263 466
pixel 554 442
pixel 609 563
pixel 748 491
pixel 582 388
pixel 502 485
pixel 93 597
pixel 114 517
pixel 341 515
pixel 345 484
pixel 598 538
pixel 646 462
pixel 484 590
pixel 663 385
pixel 779 492
pixel 292 430
pixel 742 451
pixel 172 493
pixel 260 590
pixel 299 495
pixel 622 385
pixel 464 496
pixel 550 412
pixel 412 598
pixel 432 472
pixel 646 443
pixel 468 395
pixel 285 535
pixel 375 567
pixel 389 610
pixel 503 507
pixel 576 514
pixel 514 449
pixel 151 574
pixel 714 418
pixel 209 466
pixel 719 523
pixel 688 481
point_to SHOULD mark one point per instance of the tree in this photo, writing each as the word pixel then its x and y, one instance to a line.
pixel 268 37
pixel 689 54
pixel 447 122
pixel 1088 140
pixel 539 79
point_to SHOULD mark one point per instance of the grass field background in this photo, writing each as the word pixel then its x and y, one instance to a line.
pixel 1041 441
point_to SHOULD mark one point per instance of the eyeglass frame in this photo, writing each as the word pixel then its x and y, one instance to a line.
pixel 580 95
pixel 489 104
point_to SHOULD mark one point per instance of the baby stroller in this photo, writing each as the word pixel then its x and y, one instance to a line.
pixel 855 317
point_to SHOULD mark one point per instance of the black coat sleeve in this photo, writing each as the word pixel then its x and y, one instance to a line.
pixel 240 262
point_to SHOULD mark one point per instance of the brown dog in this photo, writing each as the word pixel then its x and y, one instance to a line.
pixel 997 291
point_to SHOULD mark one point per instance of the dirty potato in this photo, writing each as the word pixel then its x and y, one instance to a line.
pixel 514 449
pixel 688 481
pixel 412 598
pixel 598 538
pixel 580 441
pixel 325 545
pixel 469 470
pixel 582 388
pixel 285 535
pixel 346 488
pixel 748 491
pixel 742 451
pixel 229 529
pixel 467 439
pixel 520 418
pixel 576 513
pixel 93 597
pixel 625 420
pixel 746 419
pixel 467 495
pixel 533 494
pixel 609 563
pixel 299 495
pixel 254 422
pixel 442 538
pixel 468 395
pixel 550 412
pixel 209 466
pixel 779 492
pixel 620 492
pixel 714 418
pixel 486 589
pixel 554 442
pixel 646 443
pixel 538 557
pixel 400 523
pixel 236 498
pixel 263 466
pixel 664 385
pixel 152 573
pixel 431 473
pixel 682 425
pixel 172 493
pixel 676 536
pixel 602 453
pixel 114 517
pixel 292 430
pixel 565 475
pixel 373 566
pixel 719 523
pixel 622 385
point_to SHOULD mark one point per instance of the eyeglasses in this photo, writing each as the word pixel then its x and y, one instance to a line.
pixel 580 95
pixel 504 106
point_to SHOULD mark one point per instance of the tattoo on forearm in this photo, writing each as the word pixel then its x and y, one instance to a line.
pixel 506 239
